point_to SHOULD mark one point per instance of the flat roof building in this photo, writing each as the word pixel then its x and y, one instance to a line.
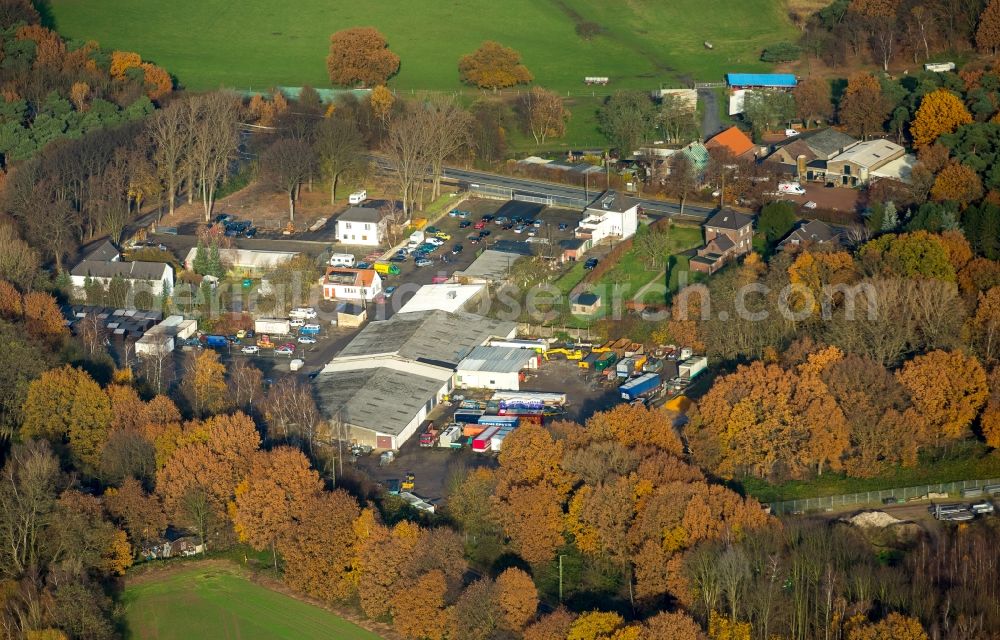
pixel 447 297
pixel 495 368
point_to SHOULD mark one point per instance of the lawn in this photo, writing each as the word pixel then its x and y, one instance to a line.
pixel 966 462
pixel 256 44
pixel 218 603
pixel 632 273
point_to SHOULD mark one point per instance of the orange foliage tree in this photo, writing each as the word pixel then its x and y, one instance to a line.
pixel 43 318
pixel 139 513
pixel 894 626
pixel 50 50
pixel 863 109
pixel 11 305
pixel 948 389
pixel 493 66
pixel 360 56
pixel 158 81
pixel 957 182
pixel 273 495
pixel 517 596
pixel 319 548
pixel 940 112
pixel 122 61
pixel 988 33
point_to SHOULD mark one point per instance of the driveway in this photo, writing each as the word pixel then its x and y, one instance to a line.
pixel 710 122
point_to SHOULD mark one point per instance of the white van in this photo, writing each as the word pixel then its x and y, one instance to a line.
pixel 357 197
pixel 791 187
pixel 342 260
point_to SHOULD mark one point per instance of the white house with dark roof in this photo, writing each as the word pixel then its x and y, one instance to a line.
pixel 152 277
pixel 611 215
pixel 361 226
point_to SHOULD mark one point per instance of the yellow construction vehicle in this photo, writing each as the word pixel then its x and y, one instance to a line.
pixel 408 482
pixel 571 354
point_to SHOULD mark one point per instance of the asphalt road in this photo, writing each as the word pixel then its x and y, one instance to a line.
pixel 710 122
pixel 526 186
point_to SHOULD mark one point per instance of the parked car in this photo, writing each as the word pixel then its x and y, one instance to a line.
pixel 296 322
pixel 519 228
pixel 431 230
pixel 285 350
pixel 563 226
pixel 363 265
pixel 590 263
pixel 250 350
pixel 810 205
pixel 306 340
pixel 457 249
pixel 251 232
pixel 479 225
pixel 423 262
pixel 502 220
pixel 536 224
pixel 473 239
pixel 398 258
pixel 388 292
pixel 488 218
pixel 464 224
pixel 437 242
pixel 484 233
pixel 981 508
pixel 441 235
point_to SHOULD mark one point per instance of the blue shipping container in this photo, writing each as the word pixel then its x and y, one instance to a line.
pixel 499 421
pixel 639 386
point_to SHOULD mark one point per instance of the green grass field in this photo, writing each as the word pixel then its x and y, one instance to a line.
pixel 218 603
pixel 260 43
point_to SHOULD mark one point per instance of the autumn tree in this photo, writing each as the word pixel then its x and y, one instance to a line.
pixel 909 255
pixel 43 318
pixel 122 61
pixel 812 100
pixel 67 405
pixel 19 262
pixel 517 596
pixel 673 626
pixel 863 108
pixel 493 66
pixel 381 102
pixel 894 626
pixel 138 513
pixel 272 496
pixel 319 548
pixel 958 183
pixel 553 626
pixel 424 616
pixel 204 387
pixel 940 112
pixel 988 33
pixel 286 164
pixel 543 114
pixel 200 477
pixel 948 389
pixel 360 56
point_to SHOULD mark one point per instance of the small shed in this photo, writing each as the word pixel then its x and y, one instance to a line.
pixel 351 315
pixel 585 304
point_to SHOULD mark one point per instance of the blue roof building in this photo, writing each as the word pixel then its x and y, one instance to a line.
pixel 769 80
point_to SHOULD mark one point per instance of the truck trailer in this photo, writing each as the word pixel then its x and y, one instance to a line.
pixel 481 443
pixel 274 326
pixel 514 398
pixel 641 386
pixel 693 366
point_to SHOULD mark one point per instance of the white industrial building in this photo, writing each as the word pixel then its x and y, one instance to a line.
pixel 390 376
pixel 162 338
pixel 448 297
pixel 495 368
pixel 243 261
pixel 612 216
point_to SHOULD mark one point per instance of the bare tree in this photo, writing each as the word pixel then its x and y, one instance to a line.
pixel 168 132
pixel 407 148
pixel 286 164
pixel 339 150
pixel 215 142
pixel 245 384
pixel 682 177
pixel 291 413
pixel 448 130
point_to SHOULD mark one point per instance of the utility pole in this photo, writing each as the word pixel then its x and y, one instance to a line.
pixel 560 579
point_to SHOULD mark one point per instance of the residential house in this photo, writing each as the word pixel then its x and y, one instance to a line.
pixel 362 226
pixel 733 139
pixel 342 283
pixel 728 235
pixel 105 251
pixel 812 232
pixel 611 216
pixel 856 165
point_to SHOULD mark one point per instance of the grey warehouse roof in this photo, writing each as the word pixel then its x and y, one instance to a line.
pixel 427 336
pixel 380 399
pixel 496 359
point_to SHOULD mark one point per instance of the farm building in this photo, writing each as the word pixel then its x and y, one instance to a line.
pixel 574 248
pixel 611 216
pixel 585 304
pixel 361 225
pixel 245 261
pixel 761 80
pixel 735 141
pixel 390 376
pixel 492 266
pixel 857 165
pixel 343 283
pixel 494 368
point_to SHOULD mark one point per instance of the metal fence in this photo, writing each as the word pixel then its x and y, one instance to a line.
pixel 498 192
pixel 961 488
